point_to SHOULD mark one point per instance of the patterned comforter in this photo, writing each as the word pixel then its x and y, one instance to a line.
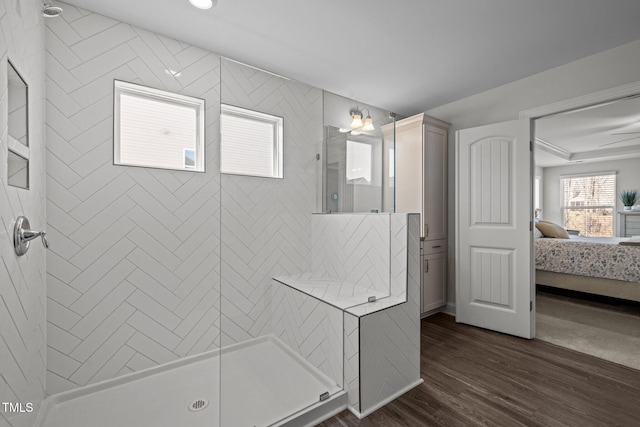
pixel 589 256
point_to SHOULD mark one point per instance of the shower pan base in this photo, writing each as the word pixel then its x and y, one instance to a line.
pixel 263 383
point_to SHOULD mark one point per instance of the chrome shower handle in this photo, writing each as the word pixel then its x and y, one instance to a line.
pixel 22 235
pixel 29 235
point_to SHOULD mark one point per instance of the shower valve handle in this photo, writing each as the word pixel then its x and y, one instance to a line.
pixel 29 235
pixel 22 235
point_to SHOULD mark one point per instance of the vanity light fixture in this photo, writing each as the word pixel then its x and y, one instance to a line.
pixel 356 119
pixel 358 123
pixel 203 4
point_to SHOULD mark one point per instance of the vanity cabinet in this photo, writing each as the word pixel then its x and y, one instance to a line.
pixel 434 275
pixel 421 186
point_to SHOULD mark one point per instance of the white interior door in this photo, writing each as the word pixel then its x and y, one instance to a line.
pixel 494 273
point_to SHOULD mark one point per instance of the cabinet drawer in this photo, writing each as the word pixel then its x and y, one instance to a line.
pixel 434 246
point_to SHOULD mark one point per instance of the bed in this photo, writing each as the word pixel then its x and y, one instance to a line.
pixel 588 264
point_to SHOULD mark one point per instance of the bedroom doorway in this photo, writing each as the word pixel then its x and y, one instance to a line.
pixel 587 287
pixel 475 303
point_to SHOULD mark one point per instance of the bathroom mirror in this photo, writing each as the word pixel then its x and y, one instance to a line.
pixel 353 172
pixel 18 122
pixel 357 162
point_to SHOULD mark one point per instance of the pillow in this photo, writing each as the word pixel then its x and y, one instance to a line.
pixel 549 229
pixel 537 233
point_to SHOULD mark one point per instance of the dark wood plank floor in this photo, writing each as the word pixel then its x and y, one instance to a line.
pixel 477 377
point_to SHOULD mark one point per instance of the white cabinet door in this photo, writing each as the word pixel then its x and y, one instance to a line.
pixel 408 169
pixel 435 208
pixel 434 283
pixel 494 273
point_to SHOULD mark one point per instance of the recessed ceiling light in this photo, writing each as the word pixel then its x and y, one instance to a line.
pixel 203 4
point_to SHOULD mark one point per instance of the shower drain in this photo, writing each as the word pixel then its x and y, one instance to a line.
pixel 198 405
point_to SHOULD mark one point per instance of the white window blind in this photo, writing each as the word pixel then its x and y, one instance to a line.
pixel 588 203
pixel 251 143
pixel 158 129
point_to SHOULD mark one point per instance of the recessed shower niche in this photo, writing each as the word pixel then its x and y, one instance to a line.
pixel 17 170
pixel 18 129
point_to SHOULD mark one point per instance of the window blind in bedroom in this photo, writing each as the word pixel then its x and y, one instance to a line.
pixel 588 203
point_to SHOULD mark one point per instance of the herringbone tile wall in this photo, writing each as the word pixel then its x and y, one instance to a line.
pixel 353 248
pixel 134 267
pixel 133 270
pixel 266 223
pixel 399 253
pixel 390 339
pixel 311 328
pixel 22 279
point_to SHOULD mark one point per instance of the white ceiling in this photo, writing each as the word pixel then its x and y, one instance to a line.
pixel 405 55
pixel 606 132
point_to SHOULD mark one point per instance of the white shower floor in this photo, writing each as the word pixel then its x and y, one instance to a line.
pixel 262 382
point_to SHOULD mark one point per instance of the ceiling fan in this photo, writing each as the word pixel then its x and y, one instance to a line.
pixel 623 140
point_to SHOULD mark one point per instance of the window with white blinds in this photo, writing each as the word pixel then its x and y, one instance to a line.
pixel 157 129
pixel 588 203
pixel 251 143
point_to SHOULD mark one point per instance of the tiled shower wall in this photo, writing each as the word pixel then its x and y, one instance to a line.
pixel 311 328
pixel 353 248
pixel 266 223
pixel 22 279
pixel 133 270
pixel 134 274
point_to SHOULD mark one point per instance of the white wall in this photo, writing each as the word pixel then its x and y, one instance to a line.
pixel 22 279
pixel 611 68
pixel 628 177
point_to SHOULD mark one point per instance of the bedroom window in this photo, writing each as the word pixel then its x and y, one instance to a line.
pixel 588 203
pixel 252 143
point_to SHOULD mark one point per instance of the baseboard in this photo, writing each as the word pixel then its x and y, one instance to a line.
pixel 450 309
pixel 432 312
pixel 389 399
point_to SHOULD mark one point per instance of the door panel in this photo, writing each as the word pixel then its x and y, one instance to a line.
pixel 493 218
pixel 408 171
